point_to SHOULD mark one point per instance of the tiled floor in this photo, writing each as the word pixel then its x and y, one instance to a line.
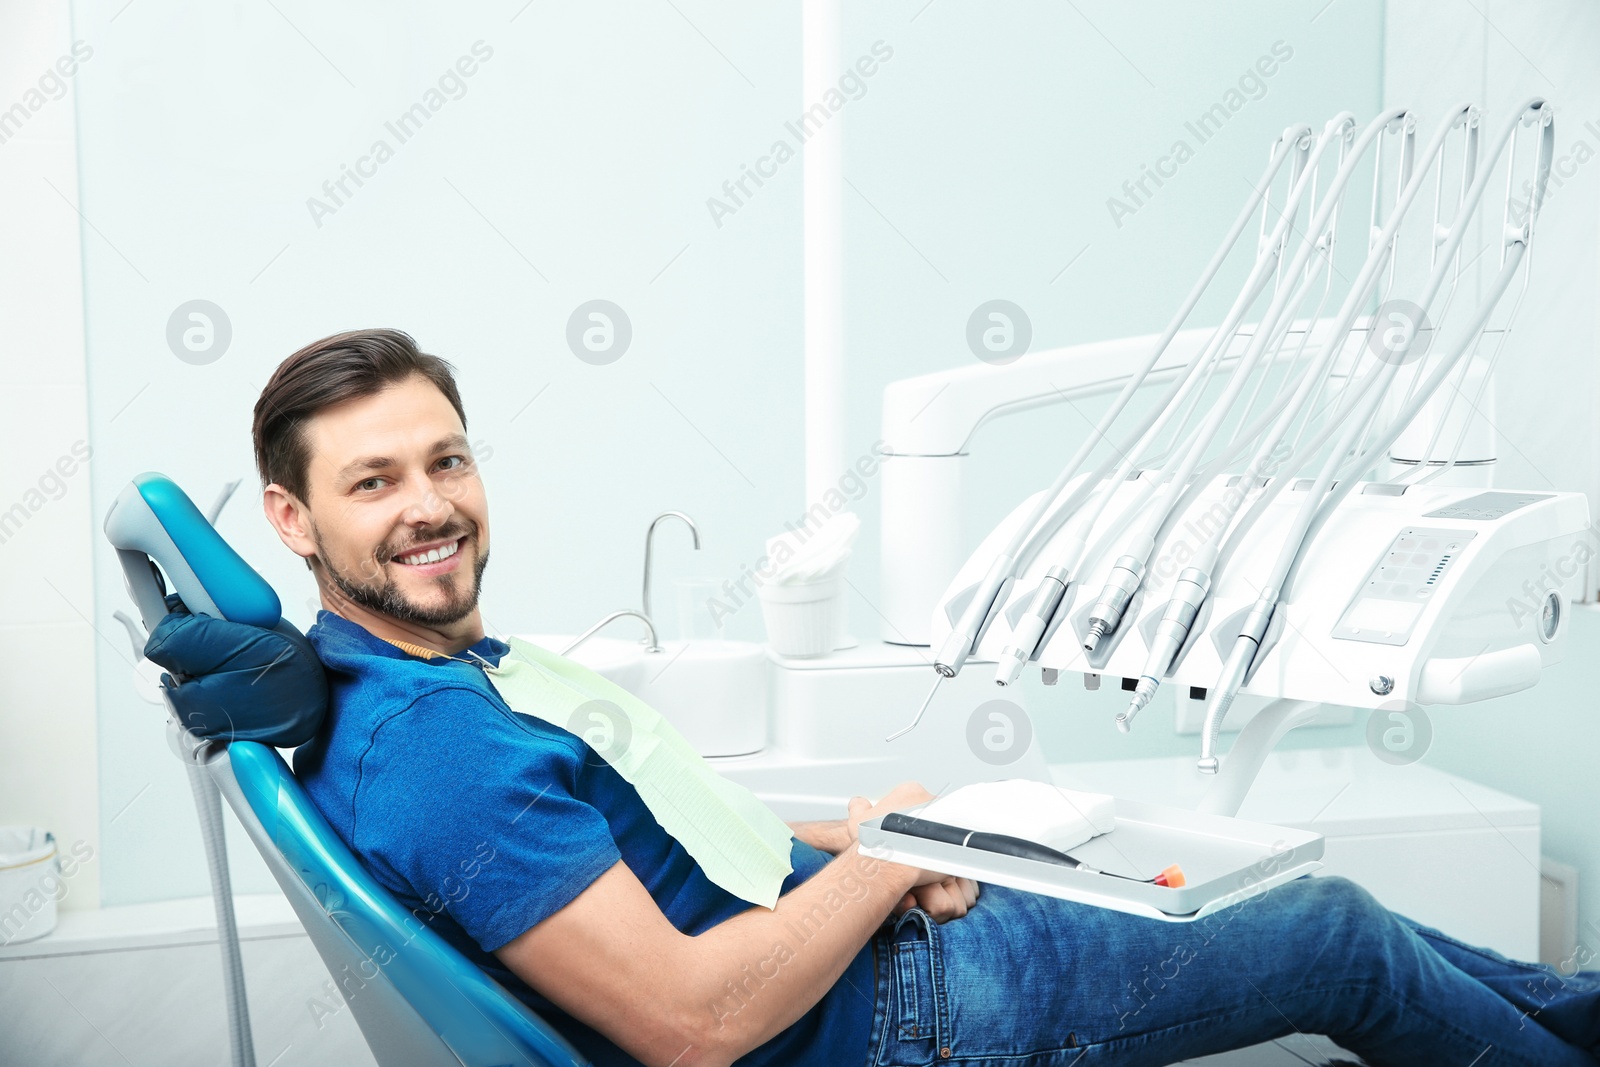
pixel 164 1006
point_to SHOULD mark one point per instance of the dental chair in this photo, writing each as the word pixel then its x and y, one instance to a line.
pixel 419 1002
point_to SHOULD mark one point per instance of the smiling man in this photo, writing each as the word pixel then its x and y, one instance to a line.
pixel 380 572
pixel 535 857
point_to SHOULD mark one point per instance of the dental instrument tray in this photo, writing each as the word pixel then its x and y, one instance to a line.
pixel 1225 860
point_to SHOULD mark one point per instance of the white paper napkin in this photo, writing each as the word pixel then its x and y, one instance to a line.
pixel 1061 819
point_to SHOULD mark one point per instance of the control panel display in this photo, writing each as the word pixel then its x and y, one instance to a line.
pixel 1391 600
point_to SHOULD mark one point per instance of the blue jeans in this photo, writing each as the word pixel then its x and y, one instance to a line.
pixel 1032 981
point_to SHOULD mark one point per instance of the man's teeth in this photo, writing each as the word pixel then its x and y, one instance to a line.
pixel 432 556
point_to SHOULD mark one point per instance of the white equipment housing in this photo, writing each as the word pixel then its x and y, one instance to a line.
pixel 1439 595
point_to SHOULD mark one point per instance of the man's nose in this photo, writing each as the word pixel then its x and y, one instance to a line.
pixel 427 506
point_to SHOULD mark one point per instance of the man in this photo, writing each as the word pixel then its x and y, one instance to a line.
pixel 540 862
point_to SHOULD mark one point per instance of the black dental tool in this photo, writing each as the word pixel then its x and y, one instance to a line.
pixel 898 823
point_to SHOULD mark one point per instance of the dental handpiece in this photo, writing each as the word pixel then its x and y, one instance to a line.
pixel 1245 647
pixel 1121 584
pixel 958 645
pixel 990 594
pixel 1171 632
pixel 1031 627
pixel 938 679
pixel 1128 571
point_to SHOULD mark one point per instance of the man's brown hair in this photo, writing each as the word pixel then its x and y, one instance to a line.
pixel 346 366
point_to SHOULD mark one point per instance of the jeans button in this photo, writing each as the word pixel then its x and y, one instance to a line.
pixel 944 1053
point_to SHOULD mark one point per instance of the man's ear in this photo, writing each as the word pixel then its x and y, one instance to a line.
pixel 291 518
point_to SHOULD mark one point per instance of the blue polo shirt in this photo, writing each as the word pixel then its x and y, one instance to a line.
pixel 492 821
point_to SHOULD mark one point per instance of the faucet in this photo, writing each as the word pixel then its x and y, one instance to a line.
pixel 650 641
pixel 649 538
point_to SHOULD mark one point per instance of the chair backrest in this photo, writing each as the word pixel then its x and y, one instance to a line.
pixel 416 998
pixel 419 1002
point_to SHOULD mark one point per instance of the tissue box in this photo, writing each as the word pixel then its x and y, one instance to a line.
pixel 1061 819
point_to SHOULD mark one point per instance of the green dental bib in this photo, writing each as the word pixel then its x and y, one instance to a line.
pixel 739 843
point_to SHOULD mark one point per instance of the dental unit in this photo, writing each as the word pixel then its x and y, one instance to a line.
pixel 1291 588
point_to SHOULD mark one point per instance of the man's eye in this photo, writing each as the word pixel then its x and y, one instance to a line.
pixel 369 481
pixel 461 461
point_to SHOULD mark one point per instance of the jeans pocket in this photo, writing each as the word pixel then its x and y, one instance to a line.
pixel 917 1010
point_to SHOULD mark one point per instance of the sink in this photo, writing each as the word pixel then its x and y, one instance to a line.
pixel 713 692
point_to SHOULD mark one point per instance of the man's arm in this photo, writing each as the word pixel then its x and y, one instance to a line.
pixel 948 899
pixel 612 960
pixel 832 836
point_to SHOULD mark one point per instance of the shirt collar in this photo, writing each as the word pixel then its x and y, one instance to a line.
pixel 490 648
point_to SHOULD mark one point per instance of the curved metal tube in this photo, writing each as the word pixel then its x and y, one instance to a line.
pixel 649 538
pixel 650 628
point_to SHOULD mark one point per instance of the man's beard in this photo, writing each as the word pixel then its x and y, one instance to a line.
pixel 387 599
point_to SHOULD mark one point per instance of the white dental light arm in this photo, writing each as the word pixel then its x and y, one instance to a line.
pixel 958 645
pixel 1254 628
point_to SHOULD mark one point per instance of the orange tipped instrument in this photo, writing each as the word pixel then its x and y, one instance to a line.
pixel 1172 878
pixel 911 825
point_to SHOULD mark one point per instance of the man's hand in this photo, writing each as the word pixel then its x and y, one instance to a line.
pixel 223 661
pixel 903 796
pixel 943 897
pixel 945 900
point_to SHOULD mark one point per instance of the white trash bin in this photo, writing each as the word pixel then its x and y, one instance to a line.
pixel 30 883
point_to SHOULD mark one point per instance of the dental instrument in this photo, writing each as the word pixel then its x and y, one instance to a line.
pixel 990 594
pixel 958 645
pixel 1039 617
pixel 1170 876
pixel 1253 631
pixel 1195 580
pixel 1128 572
pixel 922 709
pixel 650 642
pixel 1232 555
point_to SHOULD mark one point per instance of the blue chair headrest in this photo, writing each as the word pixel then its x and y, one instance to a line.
pixel 243 672
pixel 152 519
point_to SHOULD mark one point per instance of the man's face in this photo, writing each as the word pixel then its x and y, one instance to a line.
pixel 392 477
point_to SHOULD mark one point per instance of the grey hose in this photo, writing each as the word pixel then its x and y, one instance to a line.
pixel 208 802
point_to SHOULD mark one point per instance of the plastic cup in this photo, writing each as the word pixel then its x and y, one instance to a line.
pixel 28 866
pixel 695 621
pixel 806 620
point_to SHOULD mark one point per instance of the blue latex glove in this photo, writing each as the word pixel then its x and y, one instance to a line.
pixel 242 682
